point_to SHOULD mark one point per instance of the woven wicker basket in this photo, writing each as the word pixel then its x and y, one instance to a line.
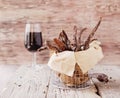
pixel 77 78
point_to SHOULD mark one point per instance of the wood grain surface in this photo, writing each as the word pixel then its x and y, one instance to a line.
pixel 54 16
pixel 31 83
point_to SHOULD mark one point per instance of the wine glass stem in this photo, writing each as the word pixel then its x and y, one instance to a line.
pixel 34 60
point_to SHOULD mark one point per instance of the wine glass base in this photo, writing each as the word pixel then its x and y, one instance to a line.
pixel 37 67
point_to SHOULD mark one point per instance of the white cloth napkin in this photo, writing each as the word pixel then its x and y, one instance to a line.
pixel 64 62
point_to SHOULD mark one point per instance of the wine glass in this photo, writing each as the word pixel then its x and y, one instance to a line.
pixel 33 40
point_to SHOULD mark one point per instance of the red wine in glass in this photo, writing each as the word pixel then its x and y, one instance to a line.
pixel 33 39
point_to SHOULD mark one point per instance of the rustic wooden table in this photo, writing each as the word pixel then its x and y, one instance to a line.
pixel 31 83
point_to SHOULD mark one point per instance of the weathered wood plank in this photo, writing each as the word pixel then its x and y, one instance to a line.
pixel 28 83
pixel 112 88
